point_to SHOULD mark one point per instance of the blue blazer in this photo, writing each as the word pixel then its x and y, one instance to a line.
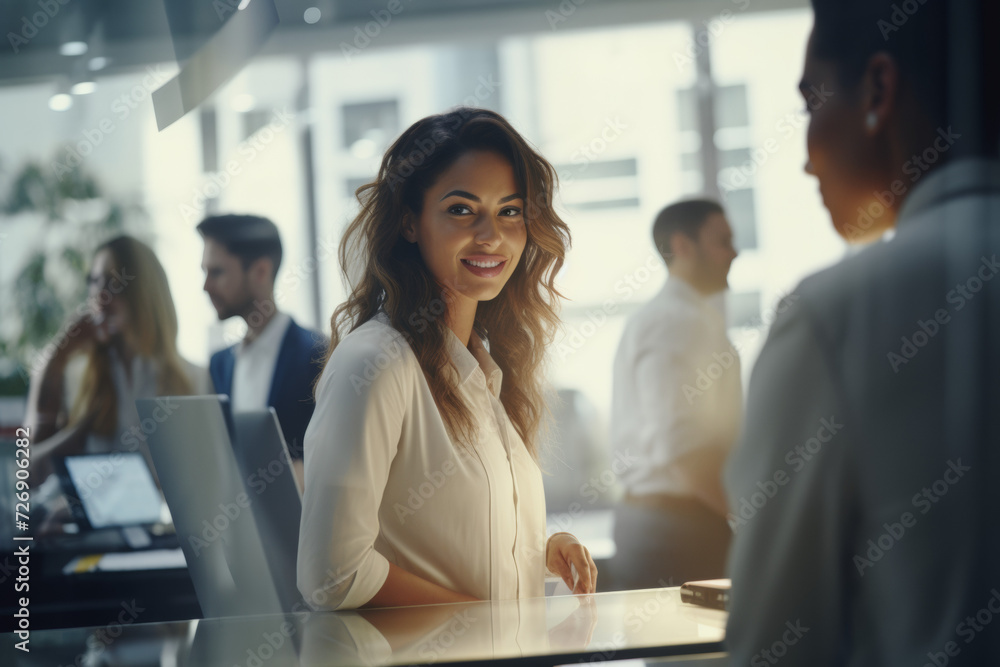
pixel 299 364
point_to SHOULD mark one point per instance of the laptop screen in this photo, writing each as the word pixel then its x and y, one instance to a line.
pixel 115 489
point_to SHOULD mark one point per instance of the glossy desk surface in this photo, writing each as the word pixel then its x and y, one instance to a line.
pixel 552 630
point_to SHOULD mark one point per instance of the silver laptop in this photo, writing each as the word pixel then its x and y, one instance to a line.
pixel 266 468
pixel 189 442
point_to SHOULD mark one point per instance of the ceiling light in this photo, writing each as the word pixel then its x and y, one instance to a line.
pixel 60 101
pixel 73 48
pixel 312 15
pixel 83 87
pixel 363 148
pixel 98 63
pixel 81 81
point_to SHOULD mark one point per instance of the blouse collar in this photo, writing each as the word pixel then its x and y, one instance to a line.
pixel 468 359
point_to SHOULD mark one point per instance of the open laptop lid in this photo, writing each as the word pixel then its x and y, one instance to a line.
pixel 266 468
pixel 210 507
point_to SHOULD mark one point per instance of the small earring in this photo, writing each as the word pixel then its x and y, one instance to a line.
pixel 871 120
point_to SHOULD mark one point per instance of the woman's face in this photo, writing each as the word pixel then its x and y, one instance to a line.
pixel 471 231
pixel 104 296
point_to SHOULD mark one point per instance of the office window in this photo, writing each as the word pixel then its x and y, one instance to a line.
pixel 255 120
pixel 743 309
pixel 731 107
pixel 369 127
pixel 689 143
pixel 742 218
pixel 603 185
pixel 352 184
pixel 733 144
pixel 606 169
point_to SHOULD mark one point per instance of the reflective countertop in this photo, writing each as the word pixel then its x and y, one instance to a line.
pixel 604 626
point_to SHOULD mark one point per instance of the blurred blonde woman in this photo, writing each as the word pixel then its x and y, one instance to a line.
pixel 123 346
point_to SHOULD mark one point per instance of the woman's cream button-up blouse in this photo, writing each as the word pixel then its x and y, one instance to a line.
pixel 385 483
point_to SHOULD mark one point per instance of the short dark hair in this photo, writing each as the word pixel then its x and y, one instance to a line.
pixel 249 237
pixel 686 217
pixel 850 32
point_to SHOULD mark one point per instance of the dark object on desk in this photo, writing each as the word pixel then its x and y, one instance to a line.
pixel 713 593
pixel 60 600
pixel 104 540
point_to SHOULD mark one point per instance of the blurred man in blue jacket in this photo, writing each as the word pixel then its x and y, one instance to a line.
pixel 277 362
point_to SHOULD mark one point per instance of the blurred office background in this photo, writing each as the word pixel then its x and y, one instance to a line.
pixel 638 103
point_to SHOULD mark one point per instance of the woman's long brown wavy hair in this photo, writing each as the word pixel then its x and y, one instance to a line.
pixel 390 274
pixel 152 322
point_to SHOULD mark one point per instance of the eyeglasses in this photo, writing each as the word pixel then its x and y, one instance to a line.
pixel 98 282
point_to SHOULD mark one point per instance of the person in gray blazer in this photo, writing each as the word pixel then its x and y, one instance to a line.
pixel 863 492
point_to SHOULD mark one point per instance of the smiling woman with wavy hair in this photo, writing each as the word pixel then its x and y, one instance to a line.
pixel 421 476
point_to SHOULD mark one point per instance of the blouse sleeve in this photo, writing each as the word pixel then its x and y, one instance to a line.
pixel 350 443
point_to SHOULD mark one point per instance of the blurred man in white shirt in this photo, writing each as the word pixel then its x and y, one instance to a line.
pixel 676 407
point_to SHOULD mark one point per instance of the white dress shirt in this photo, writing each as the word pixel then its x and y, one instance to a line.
pixel 676 388
pixel 385 483
pixel 253 371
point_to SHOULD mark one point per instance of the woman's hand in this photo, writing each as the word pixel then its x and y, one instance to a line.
pixel 46 391
pixel 79 335
pixel 563 553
